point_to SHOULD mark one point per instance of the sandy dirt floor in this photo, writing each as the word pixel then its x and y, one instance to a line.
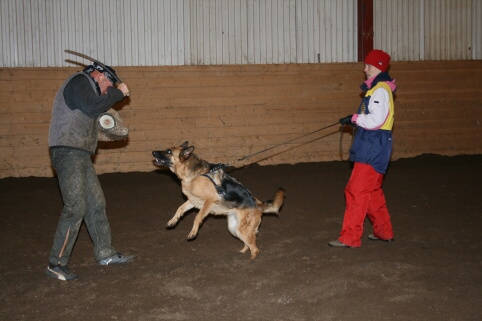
pixel 431 272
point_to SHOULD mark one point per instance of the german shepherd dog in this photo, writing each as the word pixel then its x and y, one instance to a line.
pixel 212 191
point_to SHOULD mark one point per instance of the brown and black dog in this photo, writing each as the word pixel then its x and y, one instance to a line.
pixel 212 191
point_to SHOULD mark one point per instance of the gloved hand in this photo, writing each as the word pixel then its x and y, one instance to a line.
pixel 346 120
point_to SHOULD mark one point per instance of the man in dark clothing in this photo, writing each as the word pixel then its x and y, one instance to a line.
pixel 72 141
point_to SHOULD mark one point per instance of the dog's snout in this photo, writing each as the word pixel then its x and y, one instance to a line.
pixel 161 159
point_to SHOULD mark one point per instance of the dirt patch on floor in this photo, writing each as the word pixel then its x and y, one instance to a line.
pixel 431 272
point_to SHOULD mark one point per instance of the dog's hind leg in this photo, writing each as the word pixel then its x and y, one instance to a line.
pixel 249 221
pixel 179 213
pixel 249 243
pixel 233 228
pixel 201 215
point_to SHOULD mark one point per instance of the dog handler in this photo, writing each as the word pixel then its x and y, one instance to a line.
pixel 72 141
pixel 370 152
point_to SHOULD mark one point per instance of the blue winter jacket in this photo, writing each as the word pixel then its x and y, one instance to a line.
pixel 374 147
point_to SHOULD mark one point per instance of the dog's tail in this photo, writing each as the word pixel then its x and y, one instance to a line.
pixel 274 205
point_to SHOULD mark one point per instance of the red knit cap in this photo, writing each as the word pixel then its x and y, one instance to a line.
pixel 378 58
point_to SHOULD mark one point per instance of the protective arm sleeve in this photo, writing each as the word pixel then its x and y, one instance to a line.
pixel 79 94
pixel 379 109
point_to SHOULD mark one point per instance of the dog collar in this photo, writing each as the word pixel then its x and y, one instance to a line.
pixel 216 167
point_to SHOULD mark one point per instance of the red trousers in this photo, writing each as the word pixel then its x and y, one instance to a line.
pixel 364 196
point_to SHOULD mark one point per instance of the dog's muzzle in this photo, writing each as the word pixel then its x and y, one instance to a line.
pixel 160 159
pixel 160 162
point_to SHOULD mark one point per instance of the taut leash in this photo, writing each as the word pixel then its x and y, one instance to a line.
pixel 283 143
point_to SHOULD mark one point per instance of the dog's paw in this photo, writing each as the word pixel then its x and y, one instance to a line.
pixel 171 223
pixel 192 235
pixel 254 254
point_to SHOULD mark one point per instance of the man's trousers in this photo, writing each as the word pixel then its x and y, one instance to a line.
pixel 83 199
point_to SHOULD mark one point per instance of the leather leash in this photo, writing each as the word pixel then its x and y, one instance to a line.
pixel 283 143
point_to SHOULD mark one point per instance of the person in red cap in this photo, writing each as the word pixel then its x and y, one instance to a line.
pixel 370 152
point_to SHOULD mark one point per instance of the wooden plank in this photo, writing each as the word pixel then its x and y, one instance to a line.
pixel 231 111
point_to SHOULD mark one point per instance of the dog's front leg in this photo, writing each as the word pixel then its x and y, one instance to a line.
pixel 180 211
pixel 203 212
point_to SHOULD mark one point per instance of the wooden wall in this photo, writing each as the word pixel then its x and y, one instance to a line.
pixel 228 112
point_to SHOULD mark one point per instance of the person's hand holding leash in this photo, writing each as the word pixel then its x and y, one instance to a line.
pixel 346 120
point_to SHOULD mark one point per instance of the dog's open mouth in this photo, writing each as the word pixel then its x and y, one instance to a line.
pixel 160 159
pixel 159 162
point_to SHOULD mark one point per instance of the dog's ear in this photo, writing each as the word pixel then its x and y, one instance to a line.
pixel 185 145
pixel 186 152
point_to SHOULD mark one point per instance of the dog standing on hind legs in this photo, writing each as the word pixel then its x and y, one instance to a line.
pixel 212 191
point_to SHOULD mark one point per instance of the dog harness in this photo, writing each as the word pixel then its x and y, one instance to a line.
pixel 214 168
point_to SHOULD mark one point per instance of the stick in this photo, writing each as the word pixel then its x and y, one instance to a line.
pixel 93 60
